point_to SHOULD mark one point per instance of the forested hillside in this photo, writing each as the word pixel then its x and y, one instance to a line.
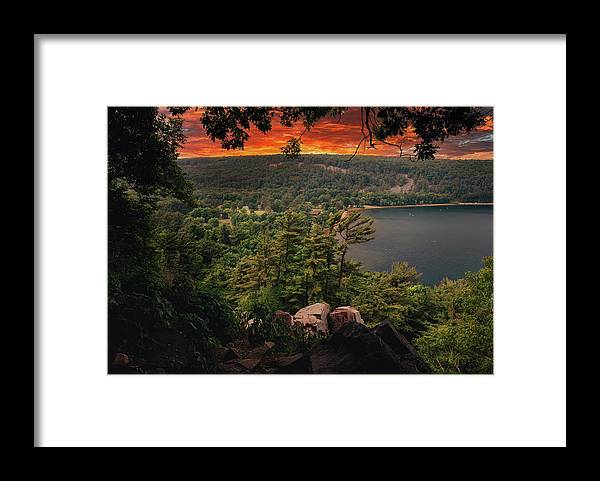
pixel 276 183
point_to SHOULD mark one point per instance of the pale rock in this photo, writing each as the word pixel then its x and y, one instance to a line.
pixel 314 318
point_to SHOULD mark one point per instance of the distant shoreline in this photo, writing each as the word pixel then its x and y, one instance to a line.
pixel 366 207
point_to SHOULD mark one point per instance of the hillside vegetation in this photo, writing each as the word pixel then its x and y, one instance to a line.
pixel 275 183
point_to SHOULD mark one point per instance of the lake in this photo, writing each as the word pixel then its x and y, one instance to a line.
pixel 439 241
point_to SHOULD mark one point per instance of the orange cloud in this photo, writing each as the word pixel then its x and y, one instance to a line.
pixel 328 136
pixel 488 126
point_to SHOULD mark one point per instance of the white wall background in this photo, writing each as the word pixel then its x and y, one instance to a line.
pixel 522 404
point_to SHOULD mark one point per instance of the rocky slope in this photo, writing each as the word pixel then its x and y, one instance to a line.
pixel 343 344
pixel 347 346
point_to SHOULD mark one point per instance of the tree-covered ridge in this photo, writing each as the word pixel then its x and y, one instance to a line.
pixel 276 183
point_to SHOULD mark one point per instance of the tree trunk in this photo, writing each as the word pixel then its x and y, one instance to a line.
pixel 342 266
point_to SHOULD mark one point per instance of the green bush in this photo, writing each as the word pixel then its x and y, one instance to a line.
pixel 260 304
pixel 288 339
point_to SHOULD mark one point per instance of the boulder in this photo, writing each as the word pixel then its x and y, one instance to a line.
pixel 121 359
pixel 394 339
pixel 409 359
pixel 251 359
pixel 232 367
pixel 341 315
pixel 250 363
pixel 230 353
pixel 314 318
pixel 284 316
pixel 354 349
pixel 121 364
pixel 294 364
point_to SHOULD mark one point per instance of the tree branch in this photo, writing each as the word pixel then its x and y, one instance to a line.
pixel 356 150
pixel 398 146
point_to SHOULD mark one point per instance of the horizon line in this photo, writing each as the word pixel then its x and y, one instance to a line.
pixel 319 154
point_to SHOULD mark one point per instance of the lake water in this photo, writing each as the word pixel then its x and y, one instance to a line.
pixel 439 241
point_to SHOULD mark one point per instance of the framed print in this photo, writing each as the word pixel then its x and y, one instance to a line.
pixel 299 240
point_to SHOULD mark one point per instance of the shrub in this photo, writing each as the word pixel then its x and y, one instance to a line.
pixel 288 339
pixel 462 339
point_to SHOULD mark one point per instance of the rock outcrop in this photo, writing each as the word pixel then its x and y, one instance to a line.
pixel 230 354
pixel 409 359
pixel 314 318
pixel 341 315
pixel 250 360
pixel 294 364
pixel 349 348
pixel 394 339
pixel 354 349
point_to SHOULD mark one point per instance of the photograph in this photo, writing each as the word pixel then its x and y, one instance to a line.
pixel 300 240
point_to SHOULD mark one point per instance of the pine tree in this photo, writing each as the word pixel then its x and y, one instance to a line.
pixel 330 251
pixel 315 266
pixel 353 229
pixel 257 270
pixel 225 234
pixel 291 226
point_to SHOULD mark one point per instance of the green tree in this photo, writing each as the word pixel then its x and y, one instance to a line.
pixel 395 297
pixel 378 300
pixel 403 275
pixel 258 270
pixel 290 229
pixel 153 269
pixel 316 265
pixel 142 150
pixel 353 229
pixel 225 234
pixel 462 340
pixel 143 147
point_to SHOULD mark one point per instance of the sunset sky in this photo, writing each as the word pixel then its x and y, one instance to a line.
pixel 328 136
